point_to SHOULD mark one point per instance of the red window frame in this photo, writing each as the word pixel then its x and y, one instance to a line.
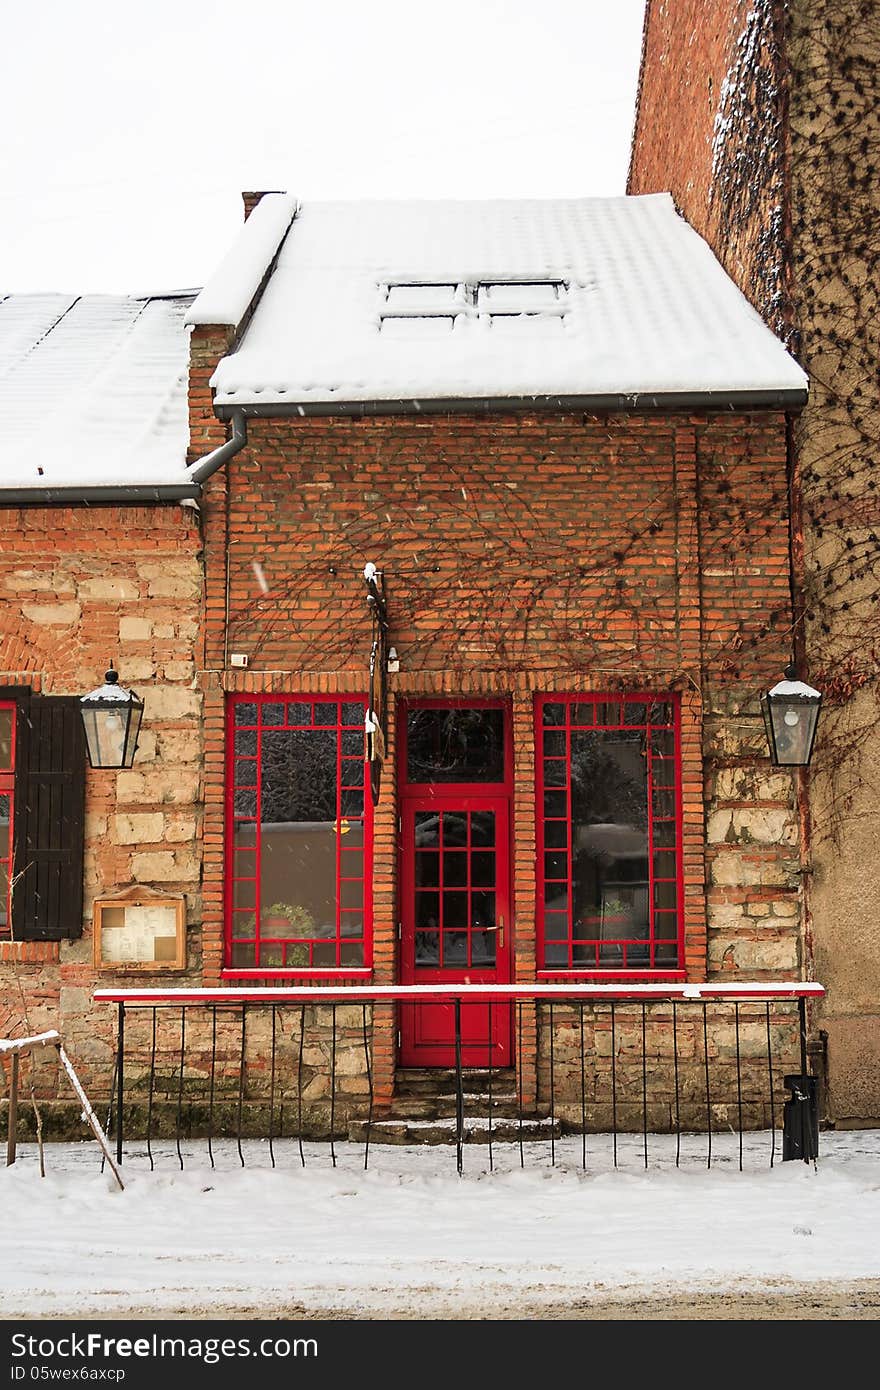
pixel 7 789
pixel 290 699
pixel 652 700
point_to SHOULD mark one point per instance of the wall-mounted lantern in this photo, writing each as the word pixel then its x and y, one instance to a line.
pixel 791 713
pixel 111 717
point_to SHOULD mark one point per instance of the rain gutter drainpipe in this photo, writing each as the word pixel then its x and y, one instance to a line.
pixel 216 459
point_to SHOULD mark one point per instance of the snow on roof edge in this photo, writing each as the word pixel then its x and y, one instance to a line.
pixel 229 292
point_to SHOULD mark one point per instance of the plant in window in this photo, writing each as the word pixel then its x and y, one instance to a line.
pixel 288 919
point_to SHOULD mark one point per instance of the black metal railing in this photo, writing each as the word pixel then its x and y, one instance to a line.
pixel 296 1065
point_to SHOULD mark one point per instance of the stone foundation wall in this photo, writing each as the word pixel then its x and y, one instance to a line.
pixel 630 1080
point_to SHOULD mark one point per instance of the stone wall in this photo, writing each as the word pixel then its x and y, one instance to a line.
pixel 81 586
pixel 762 119
pixel 667 1071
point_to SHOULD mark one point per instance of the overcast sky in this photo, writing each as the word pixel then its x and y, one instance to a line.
pixel 130 130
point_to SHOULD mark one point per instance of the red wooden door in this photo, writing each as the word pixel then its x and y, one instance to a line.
pixel 455 915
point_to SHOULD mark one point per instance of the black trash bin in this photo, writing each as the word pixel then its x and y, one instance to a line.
pixel 800 1120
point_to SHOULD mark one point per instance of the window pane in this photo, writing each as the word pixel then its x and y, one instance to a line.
pixel 244 892
pixel 351 803
pixel 352 773
pixel 455 870
pixel 556 926
pixel 455 828
pixel 555 772
pixel 455 948
pixel 556 804
pixel 244 802
pixel 554 742
pixel 555 955
pixel 272 714
pixel 353 744
pixel 483 870
pixel 556 834
pixel 427 869
pixel 246 741
pixel 299 713
pixel 455 745
pixel 455 910
pixel 482 827
pixel 482 910
pixel 428 910
pixel 427 829
pixel 245 772
pixel 326 712
pixel 609 798
pixel 7 717
pixel 352 954
pixel 554 714
pixel 351 893
pixel 427 948
pixel 245 713
pixel 556 865
pixel 353 712
pixel 298 775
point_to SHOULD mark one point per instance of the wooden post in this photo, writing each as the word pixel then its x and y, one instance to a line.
pixel 12 1117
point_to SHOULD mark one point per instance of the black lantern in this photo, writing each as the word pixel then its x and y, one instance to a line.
pixel 791 713
pixel 111 717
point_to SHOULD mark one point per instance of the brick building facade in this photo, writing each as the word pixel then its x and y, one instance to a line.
pixel 587 590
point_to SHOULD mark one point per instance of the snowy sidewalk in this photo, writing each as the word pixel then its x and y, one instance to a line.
pixel 409 1235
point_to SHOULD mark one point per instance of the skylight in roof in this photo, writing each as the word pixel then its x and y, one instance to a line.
pixel 477 301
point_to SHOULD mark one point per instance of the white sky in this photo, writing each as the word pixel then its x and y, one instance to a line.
pixel 130 131
pixel 204 1241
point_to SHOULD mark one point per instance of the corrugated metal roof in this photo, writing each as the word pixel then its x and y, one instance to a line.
pixel 93 390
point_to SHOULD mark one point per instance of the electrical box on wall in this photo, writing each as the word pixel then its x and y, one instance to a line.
pixel 238 659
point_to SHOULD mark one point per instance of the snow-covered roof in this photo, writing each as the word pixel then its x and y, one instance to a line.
pixel 449 301
pixel 227 296
pixel 93 391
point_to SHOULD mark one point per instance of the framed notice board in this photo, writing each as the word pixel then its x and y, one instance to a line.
pixel 141 932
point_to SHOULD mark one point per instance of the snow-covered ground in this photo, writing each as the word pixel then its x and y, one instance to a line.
pixel 408 1237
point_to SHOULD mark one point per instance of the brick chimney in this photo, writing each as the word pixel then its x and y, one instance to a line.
pixel 250 200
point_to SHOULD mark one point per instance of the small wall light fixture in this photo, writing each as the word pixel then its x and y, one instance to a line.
pixel 791 713
pixel 393 661
pixel 111 717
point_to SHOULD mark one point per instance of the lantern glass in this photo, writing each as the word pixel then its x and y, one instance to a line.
pixel 791 714
pixel 111 719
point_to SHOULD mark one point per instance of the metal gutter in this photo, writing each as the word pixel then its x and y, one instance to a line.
pixel 203 468
pixel 70 496
pixel 140 492
pixel 786 399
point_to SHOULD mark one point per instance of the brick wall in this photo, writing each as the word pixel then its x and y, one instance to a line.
pixel 80 586
pixel 711 130
pixel 526 553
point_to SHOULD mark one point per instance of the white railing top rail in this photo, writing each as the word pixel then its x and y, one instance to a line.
pixel 468 993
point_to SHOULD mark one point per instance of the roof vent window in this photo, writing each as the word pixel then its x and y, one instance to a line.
pixel 445 303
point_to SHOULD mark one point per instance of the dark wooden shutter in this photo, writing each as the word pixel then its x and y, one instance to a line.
pixel 49 809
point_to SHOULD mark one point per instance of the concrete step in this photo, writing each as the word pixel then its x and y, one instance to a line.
pixel 504 1107
pixel 415 1081
pixel 476 1131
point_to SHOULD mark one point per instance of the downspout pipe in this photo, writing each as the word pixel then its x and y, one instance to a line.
pixel 216 459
